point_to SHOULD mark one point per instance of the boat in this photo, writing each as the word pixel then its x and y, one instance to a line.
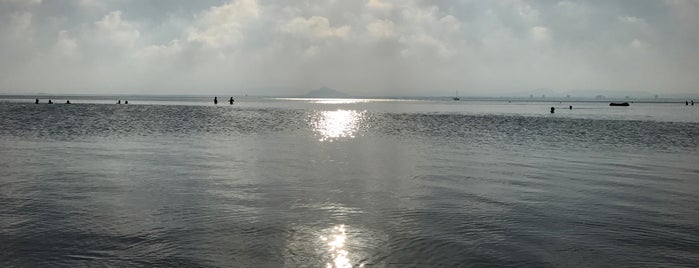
pixel 456 96
pixel 619 104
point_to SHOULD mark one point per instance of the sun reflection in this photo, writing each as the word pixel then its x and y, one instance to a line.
pixel 340 100
pixel 336 244
pixel 337 124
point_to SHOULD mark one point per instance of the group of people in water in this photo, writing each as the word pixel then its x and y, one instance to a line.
pixel 687 103
pixel 553 109
pixel 230 101
pixel 36 101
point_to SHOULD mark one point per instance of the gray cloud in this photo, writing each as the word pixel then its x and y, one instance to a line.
pixel 373 47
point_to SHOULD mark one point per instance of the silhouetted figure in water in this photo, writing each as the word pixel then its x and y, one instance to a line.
pixel 215 100
pixel 126 102
pixel 686 103
pixel 231 101
pixel 36 101
pixel 50 102
pixel 570 107
pixel 119 102
pixel 553 109
pixel 692 102
pixel 67 101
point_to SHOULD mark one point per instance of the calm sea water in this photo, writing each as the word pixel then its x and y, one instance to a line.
pixel 342 183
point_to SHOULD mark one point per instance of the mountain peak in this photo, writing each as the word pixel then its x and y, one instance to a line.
pixel 326 92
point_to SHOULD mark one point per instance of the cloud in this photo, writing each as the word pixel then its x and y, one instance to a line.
pixel 381 28
pixel 528 13
pixel 631 20
pixel 423 45
pixel 371 47
pixel 118 31
pixel 66 45
pixel 315 27
pixel 89 3
pixel 223 25
pixel 20 26
pixel 540 34
pixel 21 2
pixel 637 44
pixel 378 5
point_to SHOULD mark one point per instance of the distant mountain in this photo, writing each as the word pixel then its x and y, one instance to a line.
pixel 544 93
pixel 325 92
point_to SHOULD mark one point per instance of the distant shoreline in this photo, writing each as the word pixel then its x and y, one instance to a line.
pixel 424 98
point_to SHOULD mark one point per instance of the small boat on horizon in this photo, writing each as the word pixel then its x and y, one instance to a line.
pixel 619 104
pixel 456 96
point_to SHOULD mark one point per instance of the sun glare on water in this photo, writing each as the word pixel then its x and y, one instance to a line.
pixel 336 247
pixel 337 124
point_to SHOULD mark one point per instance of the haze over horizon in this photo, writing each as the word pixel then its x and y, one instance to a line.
pixel 362 48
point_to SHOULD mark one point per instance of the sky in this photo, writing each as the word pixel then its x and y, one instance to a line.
pixel 361 47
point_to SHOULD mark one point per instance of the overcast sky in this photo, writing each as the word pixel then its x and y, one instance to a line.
pixel 362 47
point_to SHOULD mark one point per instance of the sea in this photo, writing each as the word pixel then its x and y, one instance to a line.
pixel 301 182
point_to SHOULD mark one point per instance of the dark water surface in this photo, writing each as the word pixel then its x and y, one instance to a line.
pixel 302 184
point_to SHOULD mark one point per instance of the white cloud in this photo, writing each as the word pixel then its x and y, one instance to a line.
pixel 540 34
pixel 381 28
pixel 173 48
pixel 422 46
pixel 425 32
pixel 21 2
pixel 20 26
pixel 450 23
pixel 315 27
pixel 118 31
pixel 311 51
pixel 406 46
pixel 637 22
pixel 528 13
pixel 420 15
pixel 637 44
pixel 222 26
pixel 631 19
pixel 379 5
pixel 91 4
pixel 66 45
